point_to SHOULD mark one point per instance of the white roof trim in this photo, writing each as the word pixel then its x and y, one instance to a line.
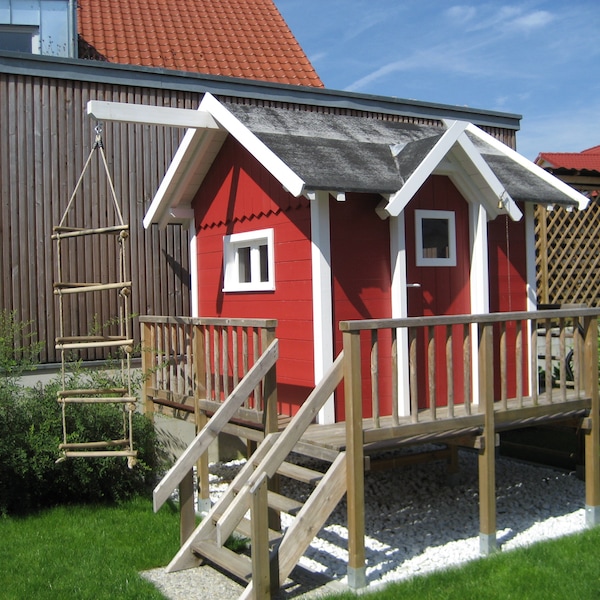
pixel 195 146
pixel 566 189
pixel 503 197
pixel 288 179
pixel 403 196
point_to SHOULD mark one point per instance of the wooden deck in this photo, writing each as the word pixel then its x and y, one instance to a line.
pixel 444 428
pixel 492 392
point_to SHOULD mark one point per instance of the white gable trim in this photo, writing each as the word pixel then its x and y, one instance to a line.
pixel 402 197
pixel 581 200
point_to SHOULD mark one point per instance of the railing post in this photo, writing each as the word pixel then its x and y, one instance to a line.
pixel 487 458
pixel 592 434
pixel 355 461
pixel 147 341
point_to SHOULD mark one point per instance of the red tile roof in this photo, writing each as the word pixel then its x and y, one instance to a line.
pixel 587 160
pixel 236 38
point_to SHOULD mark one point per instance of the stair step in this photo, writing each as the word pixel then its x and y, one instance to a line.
pixel 283 503
pixel 236 564
pixel 300 473
pixel 244 528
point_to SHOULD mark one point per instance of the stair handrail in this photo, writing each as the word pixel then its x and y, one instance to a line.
pixel 282 447
pixel 184 464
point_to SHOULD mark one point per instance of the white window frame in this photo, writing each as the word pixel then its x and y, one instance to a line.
pixel 231 268
pixel 424 261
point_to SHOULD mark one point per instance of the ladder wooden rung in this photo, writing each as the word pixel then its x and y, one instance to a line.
pixel 99 453
pixel 90 391
pixel 69 232
pixel 84 288
pixel 106 343
pixel 236 564
pixel 99 400
pixel 299 473
pixel 84 445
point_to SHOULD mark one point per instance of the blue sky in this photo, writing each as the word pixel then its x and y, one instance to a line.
pixel 539 58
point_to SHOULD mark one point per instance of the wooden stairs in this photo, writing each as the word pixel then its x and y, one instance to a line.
pixel 247 506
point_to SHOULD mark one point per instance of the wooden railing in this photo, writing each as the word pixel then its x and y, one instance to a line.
pixel 190 363
pixel 454 363
pixel 478 353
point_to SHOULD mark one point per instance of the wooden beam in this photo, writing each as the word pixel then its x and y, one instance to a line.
pixel 150 115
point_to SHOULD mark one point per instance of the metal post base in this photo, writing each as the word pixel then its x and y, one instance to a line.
pixel 592 515
pixel 487 544
pixel 357 578
pixel 204 505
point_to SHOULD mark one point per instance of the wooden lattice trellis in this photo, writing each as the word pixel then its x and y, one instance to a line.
pixel 567 246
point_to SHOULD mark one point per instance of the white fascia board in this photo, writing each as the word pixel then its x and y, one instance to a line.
pixel 166 196
pixel 269 160
pixel 490 178
pixel 403 196
pixel 150 115
pixel 566 189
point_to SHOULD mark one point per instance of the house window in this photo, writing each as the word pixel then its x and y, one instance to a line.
pixel 249 262
pixel 435 238
pixel 20 38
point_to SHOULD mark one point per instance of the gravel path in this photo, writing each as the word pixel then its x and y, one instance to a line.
pixel 416 523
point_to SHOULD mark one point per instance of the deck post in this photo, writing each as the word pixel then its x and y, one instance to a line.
pixel 199 391
pixel 592 434
pixel 355 476
pixel 487 454
pixel 187 513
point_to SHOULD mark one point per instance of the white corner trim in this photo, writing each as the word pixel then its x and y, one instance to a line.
pixel 492 181
pixel 403 196
pixel 566 189
pixel 322 296
pixel 194 277
pixel 269 160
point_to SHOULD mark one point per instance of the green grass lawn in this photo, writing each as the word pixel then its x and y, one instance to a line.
pixel 566 568
pixel 85 552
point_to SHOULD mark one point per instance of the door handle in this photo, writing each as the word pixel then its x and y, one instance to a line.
pixel 413 285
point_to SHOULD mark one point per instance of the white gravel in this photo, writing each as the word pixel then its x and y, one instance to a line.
pixel 416 522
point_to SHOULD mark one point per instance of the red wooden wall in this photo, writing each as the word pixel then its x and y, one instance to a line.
pixel 239 195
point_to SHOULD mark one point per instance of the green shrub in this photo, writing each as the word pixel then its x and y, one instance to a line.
pixel 30 432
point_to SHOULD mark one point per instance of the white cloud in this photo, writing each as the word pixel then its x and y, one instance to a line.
pixel 534 20
pixel 461 13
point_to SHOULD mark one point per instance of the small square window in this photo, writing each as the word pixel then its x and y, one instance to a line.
pixel 435 238
pixel 249 261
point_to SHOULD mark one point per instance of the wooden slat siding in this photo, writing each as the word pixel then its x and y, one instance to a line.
pixel 45 137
